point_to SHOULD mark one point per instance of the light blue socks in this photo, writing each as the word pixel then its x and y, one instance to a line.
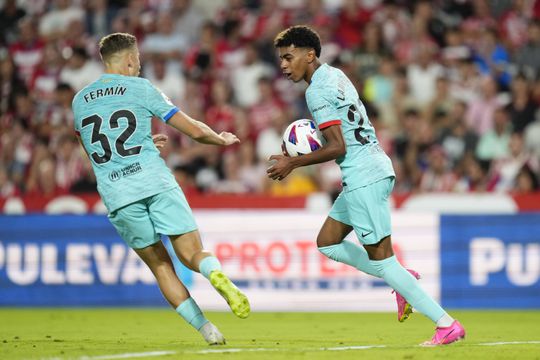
pixel 191 312
pixel 403 282
pixel 351 254
pixel 209 264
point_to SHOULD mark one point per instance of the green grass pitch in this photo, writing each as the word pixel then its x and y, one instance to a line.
pixel 100 334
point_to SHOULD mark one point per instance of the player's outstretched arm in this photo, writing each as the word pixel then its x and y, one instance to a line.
pixel 333 149
pixel 199 131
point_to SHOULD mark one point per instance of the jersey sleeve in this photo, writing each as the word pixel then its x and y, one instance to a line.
pixel 159 104
pixel 322 109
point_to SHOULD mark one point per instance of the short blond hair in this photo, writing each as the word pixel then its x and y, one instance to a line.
pixel 114 43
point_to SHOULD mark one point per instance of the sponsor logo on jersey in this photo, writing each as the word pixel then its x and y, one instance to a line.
pixel 319 108
pixel 129 170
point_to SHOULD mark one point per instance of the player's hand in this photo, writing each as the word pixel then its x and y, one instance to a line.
pixel 281 168
pixel 160 140
pixel 229 138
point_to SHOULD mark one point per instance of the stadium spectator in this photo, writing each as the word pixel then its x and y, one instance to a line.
pixel 168 79
pixel 442 102
pixel 165 41
pixel 135 18
pixel 379 87
pixel 458 140
pixel 424 14
pixel 251 173
pixel 58 122
pixel 266 22
pixel 506 169
pixel 229 46
pixel 9 17
pixel 394 22
pixel 54 24
pixel 47 76
pixel 370 52
pixel 221 115
pixel 78 37
pixel 187 19
pixel 526 181
pixel 331 49
pixel 10 83
pixel 466 81
pixel 185 178
pixel 532 137
pixel 422 75
pixel 80 69
pixel 493 144
pixel 474 177
pixel 521 107
pixel 262 114
pixel 480 114
pixel 7 188
pixel 245 78
pixel 87 181
pixel 27 50
pixel 69 162
pixel 527 57
pixel 41 173
pixel 271 137
pixel 438 177
pixel 99 16
pixel 514 23
pixel 491 58
pixel 350 23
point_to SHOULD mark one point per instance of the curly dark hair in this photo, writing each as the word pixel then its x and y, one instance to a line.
pixel 300 36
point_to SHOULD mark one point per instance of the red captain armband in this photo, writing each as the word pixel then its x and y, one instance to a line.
pixel 77 134
pixel 329 123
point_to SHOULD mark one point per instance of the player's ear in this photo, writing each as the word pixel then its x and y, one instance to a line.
pixel 130 59
pixel 310 56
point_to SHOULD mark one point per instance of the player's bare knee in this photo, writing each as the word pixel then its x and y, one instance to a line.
pixel 381 250
pixel 323 240
pixel 162 268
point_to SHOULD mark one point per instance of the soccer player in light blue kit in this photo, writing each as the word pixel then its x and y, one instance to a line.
pixel 368 178
pixel 113 121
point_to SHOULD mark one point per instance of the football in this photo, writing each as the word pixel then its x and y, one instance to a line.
pixel 302 137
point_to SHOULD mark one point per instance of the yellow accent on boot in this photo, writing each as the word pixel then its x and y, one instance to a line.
pixel 238 302
pixel 406 313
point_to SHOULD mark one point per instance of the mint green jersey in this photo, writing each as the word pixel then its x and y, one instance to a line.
pixel 113 118
pixel 332 100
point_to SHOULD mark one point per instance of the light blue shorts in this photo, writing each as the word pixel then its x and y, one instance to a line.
pixel 141 223
pixel 367 210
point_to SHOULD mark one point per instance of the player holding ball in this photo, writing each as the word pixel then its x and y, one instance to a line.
pixel 367 176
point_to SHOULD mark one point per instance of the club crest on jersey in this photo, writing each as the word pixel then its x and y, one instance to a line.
pixel 115 175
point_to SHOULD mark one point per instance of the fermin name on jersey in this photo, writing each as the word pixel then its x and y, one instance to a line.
pixel 93 95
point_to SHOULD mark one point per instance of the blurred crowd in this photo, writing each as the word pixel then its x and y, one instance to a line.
pixel 452 88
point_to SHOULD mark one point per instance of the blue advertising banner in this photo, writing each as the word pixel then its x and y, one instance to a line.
pixel 72 260
pixel 490 261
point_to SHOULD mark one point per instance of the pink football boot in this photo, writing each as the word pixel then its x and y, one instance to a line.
pixel 446 335
pixel 404 308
